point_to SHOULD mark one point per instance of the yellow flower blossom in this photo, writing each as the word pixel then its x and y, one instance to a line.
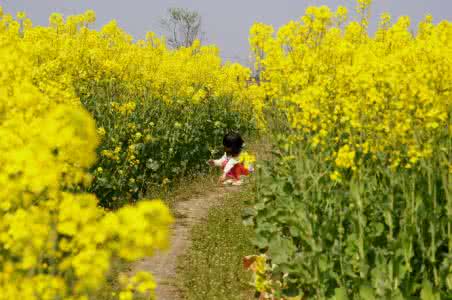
pixel 56 242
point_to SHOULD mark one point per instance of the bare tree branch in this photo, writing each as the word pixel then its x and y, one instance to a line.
pixel 182 26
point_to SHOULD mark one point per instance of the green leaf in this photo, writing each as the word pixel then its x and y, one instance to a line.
pixel 366 292
pixel 281 249
pixel 340 294
pixel 323 263
pixel 379 228
pixel 427 291
pixel 449 281
pixel 397 295
pixel 294 231
pixel 260 241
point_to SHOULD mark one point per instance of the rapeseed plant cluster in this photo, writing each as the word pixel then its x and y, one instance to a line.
pixel 357 203
pixel 153 106
pixel 341 86
pixel 55 241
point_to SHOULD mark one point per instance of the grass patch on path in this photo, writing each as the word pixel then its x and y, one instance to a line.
pixel 212 267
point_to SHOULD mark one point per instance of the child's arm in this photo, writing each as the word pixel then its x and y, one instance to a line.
pixel 217 162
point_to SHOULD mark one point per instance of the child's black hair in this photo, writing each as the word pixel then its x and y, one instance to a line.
pixel 234 142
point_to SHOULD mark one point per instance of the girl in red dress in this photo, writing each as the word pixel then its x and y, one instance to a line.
pixel 233 169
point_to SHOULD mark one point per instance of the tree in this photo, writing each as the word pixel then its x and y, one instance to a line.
pixel 182 26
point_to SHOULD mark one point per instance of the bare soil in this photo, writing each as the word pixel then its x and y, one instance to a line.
pixel 163 265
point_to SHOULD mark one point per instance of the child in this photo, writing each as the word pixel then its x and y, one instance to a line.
pixel 233 169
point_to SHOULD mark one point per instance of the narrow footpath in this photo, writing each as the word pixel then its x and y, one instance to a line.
pixel 163 265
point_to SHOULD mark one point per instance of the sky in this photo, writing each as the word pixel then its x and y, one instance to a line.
pixel 225 23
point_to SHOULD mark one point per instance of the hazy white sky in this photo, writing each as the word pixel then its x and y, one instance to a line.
pixel 226 23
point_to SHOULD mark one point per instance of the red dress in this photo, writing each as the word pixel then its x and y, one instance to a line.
pixel 237 170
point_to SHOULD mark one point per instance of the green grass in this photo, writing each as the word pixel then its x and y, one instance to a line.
pixel 212 267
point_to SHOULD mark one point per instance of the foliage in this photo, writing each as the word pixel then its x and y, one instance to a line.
pixel 356 204
pixel 55 242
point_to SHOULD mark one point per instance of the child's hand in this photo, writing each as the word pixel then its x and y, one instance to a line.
pixel 211 162
pixel 221 179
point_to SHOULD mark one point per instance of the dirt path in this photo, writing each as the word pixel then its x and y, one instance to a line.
pixel 163 264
